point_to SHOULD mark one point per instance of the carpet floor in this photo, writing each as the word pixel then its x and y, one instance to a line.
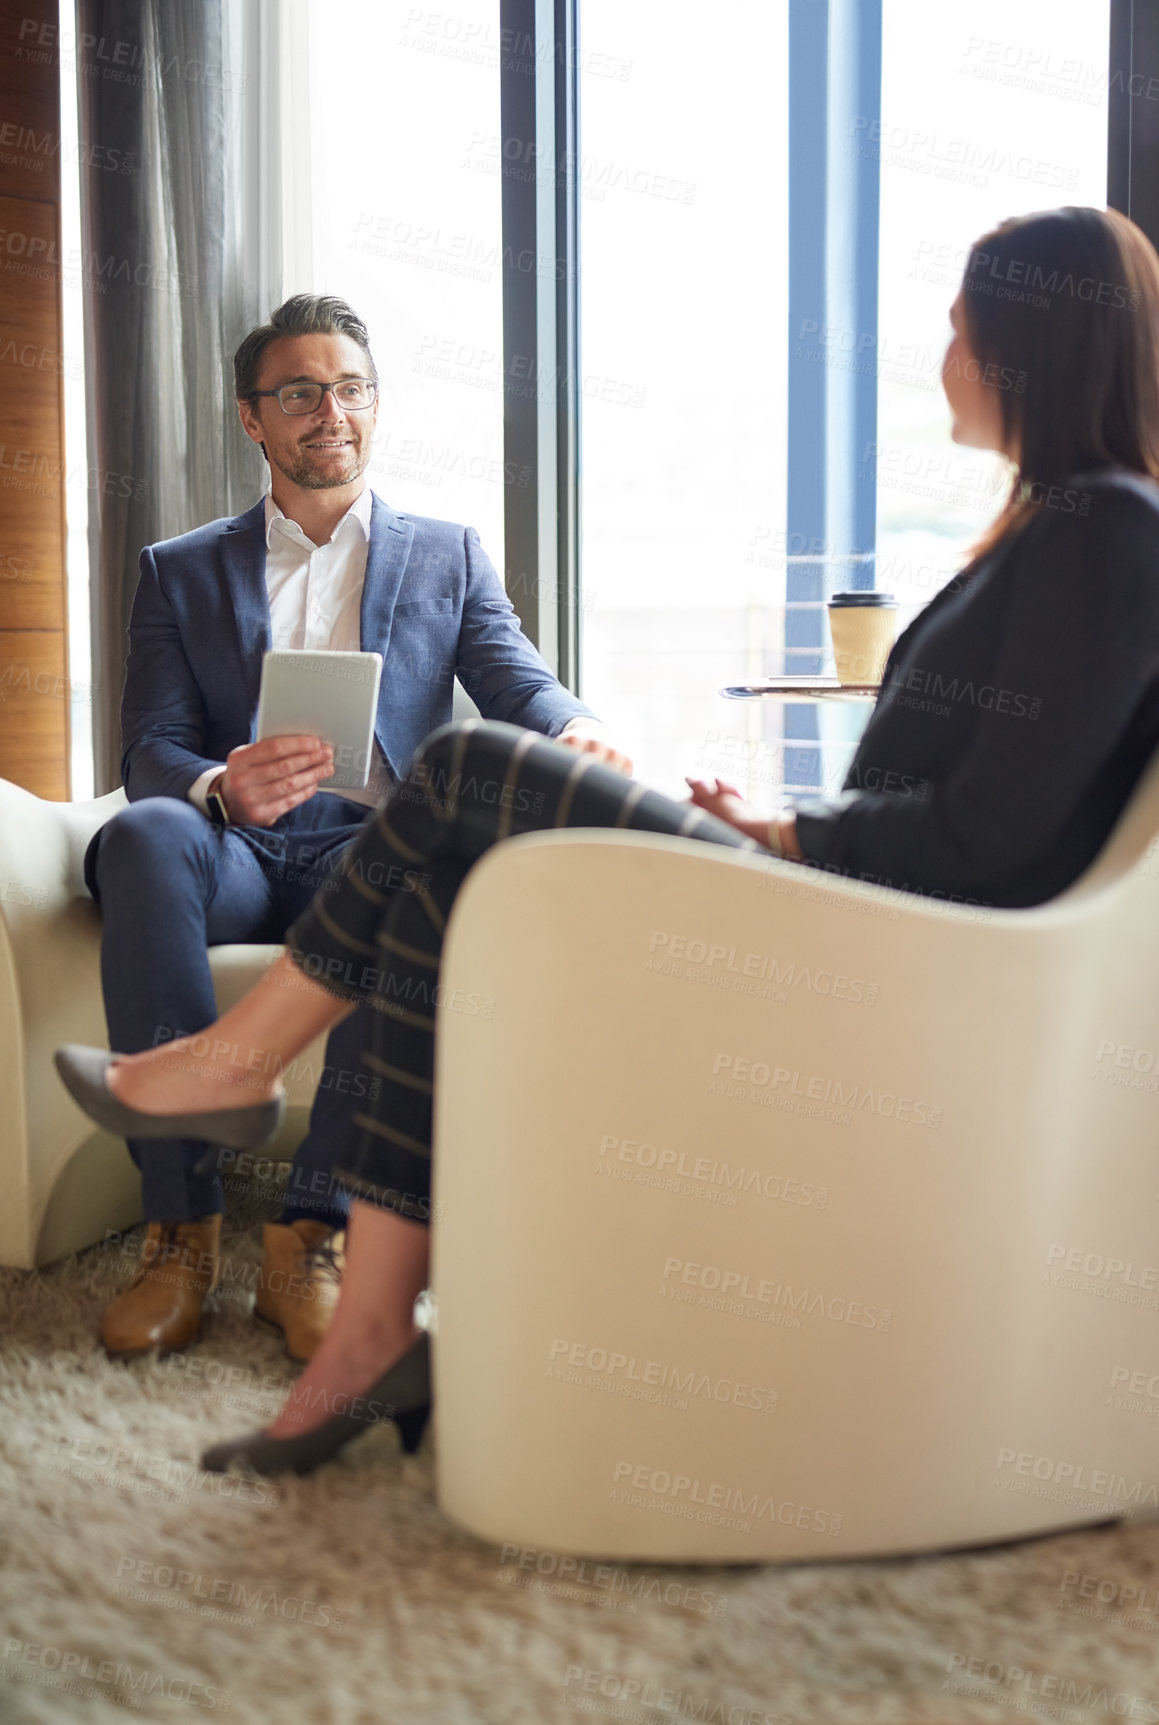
pixel 131 1582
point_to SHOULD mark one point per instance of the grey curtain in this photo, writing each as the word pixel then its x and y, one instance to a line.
pixel 170 288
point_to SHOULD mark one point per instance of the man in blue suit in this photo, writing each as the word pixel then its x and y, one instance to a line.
pixel 227 839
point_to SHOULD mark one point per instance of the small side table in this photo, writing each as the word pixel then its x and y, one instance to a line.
pixel 801 689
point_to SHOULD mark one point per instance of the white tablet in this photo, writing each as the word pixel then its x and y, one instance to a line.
pixel 329 695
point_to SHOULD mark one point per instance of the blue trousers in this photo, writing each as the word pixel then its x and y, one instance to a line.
pixel 170 884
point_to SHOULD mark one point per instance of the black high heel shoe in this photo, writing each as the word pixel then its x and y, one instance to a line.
pixel 401 1394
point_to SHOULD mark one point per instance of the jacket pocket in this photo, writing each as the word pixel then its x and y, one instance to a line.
pixel 437 604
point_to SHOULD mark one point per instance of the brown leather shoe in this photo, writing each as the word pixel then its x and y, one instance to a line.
pixel 161 1308
pixel 300 1281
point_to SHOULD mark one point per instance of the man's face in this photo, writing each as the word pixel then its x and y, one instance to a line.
pixel 318 450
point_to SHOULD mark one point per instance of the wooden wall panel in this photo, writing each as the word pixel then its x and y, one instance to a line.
pixel 34 710
pixel 32 473
pixel 34 705
pixel 30 99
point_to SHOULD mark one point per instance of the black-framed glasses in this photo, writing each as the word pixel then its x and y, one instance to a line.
pixel 351 393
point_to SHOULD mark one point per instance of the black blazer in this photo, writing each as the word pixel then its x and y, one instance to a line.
pixel 1016 712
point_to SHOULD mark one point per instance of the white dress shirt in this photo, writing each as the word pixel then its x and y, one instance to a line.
pixel 315 597
pixel 315 591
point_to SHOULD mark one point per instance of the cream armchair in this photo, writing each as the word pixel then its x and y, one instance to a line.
pixel 776 1218
pixel 781 1218
pixel 64 1183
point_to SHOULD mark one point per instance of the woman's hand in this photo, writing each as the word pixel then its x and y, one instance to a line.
pixel 726 803
pixel 592 738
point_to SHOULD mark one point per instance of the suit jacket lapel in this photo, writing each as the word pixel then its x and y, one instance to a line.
pixel 386 559
pixel 243 569
pixel 243 566
pixel 391 536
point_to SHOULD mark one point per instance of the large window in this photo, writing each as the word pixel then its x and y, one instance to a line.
pixel 985 112
pixel 984 116
pixel 683 210
pixel 404 222
pixel 694 571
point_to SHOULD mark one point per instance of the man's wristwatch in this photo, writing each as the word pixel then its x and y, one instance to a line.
pixel 215 802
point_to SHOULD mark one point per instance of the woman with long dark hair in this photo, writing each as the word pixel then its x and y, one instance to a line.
pixel 1024 701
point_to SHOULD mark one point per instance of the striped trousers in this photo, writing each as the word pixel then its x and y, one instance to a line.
pixel 374 931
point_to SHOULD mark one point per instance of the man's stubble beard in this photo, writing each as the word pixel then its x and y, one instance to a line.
pixel 302 474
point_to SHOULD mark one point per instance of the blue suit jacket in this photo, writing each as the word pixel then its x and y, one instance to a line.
pixel 432 605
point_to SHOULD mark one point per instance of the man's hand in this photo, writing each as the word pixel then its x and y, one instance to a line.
pixel 263 781
pixel 726 803
pixel 591 738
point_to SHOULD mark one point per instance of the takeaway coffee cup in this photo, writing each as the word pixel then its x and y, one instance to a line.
pixel 864 628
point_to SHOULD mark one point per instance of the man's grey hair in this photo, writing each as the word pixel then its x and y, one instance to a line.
pixel 303 314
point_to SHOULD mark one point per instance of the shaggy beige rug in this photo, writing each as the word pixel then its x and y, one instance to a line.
pixel 130 1581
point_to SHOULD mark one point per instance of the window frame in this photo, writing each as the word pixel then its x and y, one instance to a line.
pixel 540 122
pixel 539 106
pixel 1133 114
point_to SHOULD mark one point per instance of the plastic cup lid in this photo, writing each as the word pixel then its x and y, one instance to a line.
pixel 865 597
